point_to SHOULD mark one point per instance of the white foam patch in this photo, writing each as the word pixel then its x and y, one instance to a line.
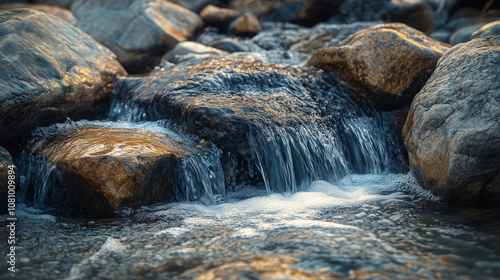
pixel 111 246
pixel 249 217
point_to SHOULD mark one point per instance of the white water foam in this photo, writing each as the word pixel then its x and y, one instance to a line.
pixel 254 216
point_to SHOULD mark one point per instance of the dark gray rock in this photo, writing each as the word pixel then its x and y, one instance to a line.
pixel 68 76
pixel 464 34
pixel 152 27
pixel 453 129
pixel 230 45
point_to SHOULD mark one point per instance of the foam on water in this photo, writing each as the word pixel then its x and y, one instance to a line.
pixel 256 215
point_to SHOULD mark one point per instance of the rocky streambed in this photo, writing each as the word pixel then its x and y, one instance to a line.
pixel 250 139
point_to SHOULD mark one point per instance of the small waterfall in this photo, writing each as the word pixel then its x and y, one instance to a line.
pixel 201 178
pixel 290 159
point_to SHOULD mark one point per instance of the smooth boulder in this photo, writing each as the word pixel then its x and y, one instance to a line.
pixel 139 32
pixel 103 169
pixel 388 63
pixel 453 129
pixel 69 75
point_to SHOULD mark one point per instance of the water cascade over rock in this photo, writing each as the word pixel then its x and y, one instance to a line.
pixel 294 125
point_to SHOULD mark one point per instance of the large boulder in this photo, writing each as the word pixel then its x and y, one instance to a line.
pixel 68 76
pixel 152 27
pixel 7 184
pixel 284 121
pixel 388 63
pixel 453 129
pixel 102 169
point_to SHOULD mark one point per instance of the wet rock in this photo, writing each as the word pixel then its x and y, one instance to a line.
pixel 184 49
pixel 246 25
pixel 464 34
pixel 68 76
pixel 59 12
pixel 261 116
pixel 153 28
pixel 230 45
pixel 452 132
pixel 219 99
pixel 103 169
pixel 388 63
pixel 218 17
pixel 5 163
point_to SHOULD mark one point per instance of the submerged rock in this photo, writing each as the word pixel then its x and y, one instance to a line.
pixel 246 25
pixel 153 28
pixel 388 63
pixel 5 164
pixel 68 76
pixel 453 129
pixel 104 168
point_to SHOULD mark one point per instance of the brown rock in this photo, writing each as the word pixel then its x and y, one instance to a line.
pixel 388 63
pixel 219 17
pixel 105 168
pixel 453 128
pixel 68 76
pixel 246 26
pixel 5 163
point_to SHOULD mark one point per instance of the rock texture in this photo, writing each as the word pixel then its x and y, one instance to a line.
pixel 153 28
pixel 5 162
pixel 68 76
pixel 453 129
pixel 246 25
pixel 388 63
pixel 104 169
pixel 218 17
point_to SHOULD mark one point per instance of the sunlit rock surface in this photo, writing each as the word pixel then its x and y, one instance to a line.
pixel 105 168
pixel 153 28
pixel 388 63
pixel 453 128
pixel 5 162
pixel 69 75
